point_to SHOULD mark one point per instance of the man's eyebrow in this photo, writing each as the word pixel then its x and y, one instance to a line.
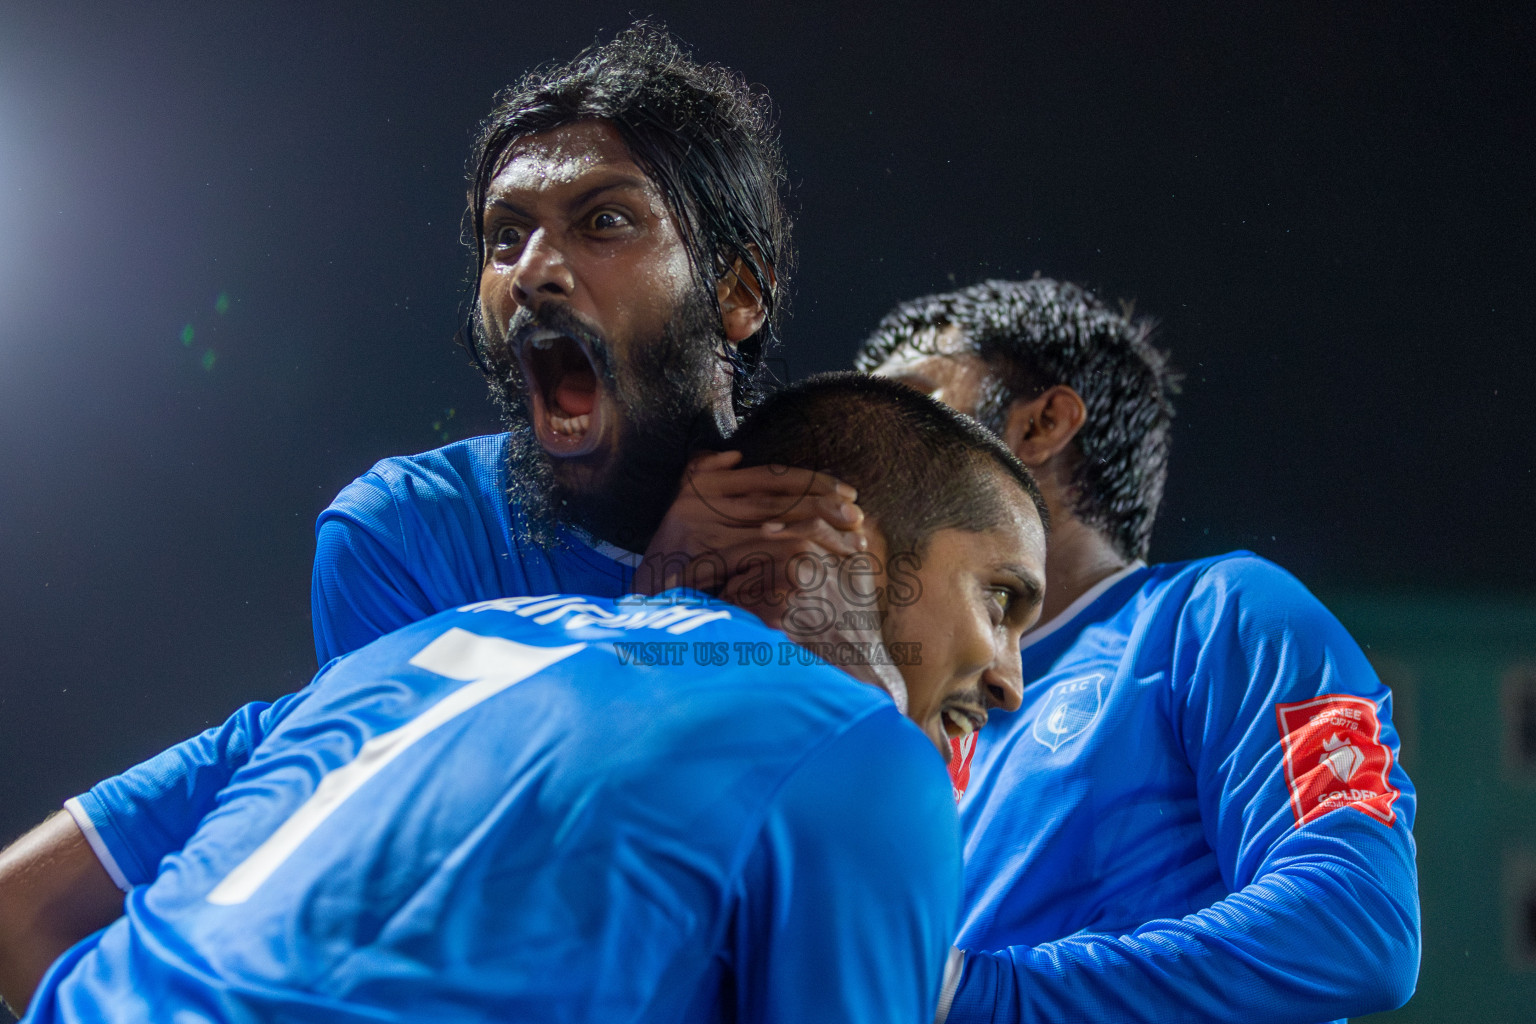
pixel 497 203
pixel 621 181
pixel 1032 584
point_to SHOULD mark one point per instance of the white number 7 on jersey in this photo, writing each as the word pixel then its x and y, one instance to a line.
pixel 489 664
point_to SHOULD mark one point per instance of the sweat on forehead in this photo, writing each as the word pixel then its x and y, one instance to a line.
pixel 573 164
pixel 567 155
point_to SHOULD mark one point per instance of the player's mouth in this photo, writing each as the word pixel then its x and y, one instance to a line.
pixel 564 391
pixel 960 720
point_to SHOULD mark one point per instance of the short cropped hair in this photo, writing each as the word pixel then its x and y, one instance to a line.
pixel 699 131
pixel 918 465
pixel 1033 335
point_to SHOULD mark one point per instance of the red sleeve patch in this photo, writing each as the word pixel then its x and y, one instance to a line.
pixel 1334 758
pixel 960 750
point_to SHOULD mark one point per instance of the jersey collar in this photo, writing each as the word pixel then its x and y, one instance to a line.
pixel 1072 610
pixel 607 550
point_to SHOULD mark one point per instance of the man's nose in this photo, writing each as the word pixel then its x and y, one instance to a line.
pixel 542 271
pixel 1003 681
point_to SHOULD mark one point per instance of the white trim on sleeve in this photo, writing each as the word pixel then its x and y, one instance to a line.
pixel 87 828
pixel 952 966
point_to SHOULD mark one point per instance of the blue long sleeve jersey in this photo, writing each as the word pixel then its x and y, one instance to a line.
pixel 553 809
pixel 1196 815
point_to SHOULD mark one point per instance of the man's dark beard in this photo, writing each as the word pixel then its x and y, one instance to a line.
pixel 665 396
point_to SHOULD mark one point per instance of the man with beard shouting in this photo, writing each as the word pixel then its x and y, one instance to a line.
pixel 631 251
pixel 631 257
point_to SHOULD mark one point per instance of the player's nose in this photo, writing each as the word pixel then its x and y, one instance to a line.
pixel 1003 681
pixel 542 271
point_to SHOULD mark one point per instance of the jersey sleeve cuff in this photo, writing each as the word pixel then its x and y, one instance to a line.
pixel 98 845
pixel 952 967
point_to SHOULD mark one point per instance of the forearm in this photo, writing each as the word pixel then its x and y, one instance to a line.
pixel 53 893
pixel 1307 943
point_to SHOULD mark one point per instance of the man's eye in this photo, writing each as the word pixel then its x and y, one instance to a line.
pixel 607 220
pixel 506 238
pixel 1001 599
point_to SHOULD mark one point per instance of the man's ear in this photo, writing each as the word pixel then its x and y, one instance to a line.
pixel 741 302
pixel 1037 429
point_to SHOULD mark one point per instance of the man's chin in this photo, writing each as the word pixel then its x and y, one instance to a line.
pixel 602 446
pixel 611 493
pixel 615 496
pixel 581 478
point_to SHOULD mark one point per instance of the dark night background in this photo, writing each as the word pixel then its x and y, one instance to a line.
pixel 1323 203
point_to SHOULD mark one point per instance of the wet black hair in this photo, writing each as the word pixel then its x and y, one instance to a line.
pixel 699 131
pixel 918 465
pixel 1033 335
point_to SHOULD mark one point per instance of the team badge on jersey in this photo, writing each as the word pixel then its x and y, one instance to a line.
pixel 961 748
pixel 1334 758
pixel 1070 709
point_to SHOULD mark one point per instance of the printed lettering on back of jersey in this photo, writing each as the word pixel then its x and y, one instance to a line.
pixel 1069 710
pixel 961 748
pixel 1334 757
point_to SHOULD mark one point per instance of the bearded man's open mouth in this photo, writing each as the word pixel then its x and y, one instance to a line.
pixel 565 391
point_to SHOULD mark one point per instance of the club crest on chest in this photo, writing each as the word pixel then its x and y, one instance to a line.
pixel 1069 710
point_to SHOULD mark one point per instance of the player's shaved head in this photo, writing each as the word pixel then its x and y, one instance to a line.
pixel 919 466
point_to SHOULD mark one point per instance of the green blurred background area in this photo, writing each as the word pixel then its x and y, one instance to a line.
pixel 1463 677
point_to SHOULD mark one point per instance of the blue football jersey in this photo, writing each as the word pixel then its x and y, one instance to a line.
pixel 413 536
pixel 547 809
pixel 1196 815
pixel 422 533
